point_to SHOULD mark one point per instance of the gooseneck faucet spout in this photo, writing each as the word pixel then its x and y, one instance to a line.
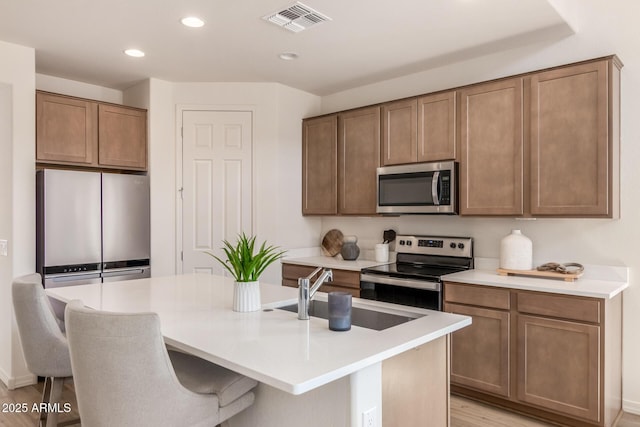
pixel 306 291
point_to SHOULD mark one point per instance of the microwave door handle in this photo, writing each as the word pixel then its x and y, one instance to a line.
pixel 435 184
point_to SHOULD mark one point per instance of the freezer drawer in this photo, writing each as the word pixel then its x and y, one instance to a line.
pixel 121 274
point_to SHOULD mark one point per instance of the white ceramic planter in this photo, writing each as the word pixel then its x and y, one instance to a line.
pixel 516 252
pixel 246 296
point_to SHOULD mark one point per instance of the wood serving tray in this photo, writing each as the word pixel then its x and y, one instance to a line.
pixel 567 277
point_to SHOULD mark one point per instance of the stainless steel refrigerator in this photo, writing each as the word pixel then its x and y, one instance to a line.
pixel 92 227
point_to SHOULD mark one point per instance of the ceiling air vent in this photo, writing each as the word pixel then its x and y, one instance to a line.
pixel 296 17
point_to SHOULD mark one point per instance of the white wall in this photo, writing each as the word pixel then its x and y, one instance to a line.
pixel 79 89
pixel 17 201
pixel 602 28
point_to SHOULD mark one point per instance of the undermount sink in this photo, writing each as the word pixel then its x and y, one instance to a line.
pixel 363 317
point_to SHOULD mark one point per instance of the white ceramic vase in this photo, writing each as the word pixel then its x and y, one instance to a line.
pixel 246 296
pixel 516 252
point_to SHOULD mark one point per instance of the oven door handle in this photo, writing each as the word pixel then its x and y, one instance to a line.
pixel 406 283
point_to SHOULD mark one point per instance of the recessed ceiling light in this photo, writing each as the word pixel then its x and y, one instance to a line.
pixel 136 53
pixel 288 56
pixel 192 21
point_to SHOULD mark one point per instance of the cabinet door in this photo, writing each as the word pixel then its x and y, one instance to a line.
pixel 358 158
pixel 65 129
pixel 491 149
pixel 559 366
pixel 319 166
pixel 570 165
pixel 122 137
pixel 399 132
pixel 480 352
pixel 436 127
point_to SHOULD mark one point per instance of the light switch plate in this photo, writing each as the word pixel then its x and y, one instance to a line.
pixel 4 246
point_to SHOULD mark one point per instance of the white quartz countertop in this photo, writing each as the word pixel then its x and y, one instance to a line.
pixel 597 282
pixel 333 262
pixel 270 345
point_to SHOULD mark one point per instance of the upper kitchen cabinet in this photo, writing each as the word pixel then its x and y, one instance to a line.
pixel 80 132
pixel 358 159
pixel 320 166
pixel 574 140
pixel 419 129
pixel 491 148
pixel 399 132
pixel 437 127
pixel 66 130
pixel 122 137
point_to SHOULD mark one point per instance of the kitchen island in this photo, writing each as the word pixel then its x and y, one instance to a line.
pixel 308 374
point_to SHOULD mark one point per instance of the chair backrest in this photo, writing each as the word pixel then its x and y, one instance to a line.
pixel 123 374
pixel 43 343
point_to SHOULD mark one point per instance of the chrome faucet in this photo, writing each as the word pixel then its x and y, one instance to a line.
pixel 306 292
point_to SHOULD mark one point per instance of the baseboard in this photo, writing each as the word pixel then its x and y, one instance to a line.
pixel 631 407
pixel 13 383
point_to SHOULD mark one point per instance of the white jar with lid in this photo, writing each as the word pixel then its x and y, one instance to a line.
pixel 516 252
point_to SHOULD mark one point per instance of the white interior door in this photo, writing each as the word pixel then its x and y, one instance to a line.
pixel 216 179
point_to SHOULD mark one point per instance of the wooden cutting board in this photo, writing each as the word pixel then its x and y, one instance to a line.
pixel 332 242
pixel 567 277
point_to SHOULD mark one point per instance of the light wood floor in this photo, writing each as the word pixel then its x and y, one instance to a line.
pixel 464 413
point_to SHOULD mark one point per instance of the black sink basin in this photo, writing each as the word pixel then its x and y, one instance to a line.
pixel 362 317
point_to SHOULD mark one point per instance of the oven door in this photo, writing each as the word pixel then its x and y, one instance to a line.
pixel 404 291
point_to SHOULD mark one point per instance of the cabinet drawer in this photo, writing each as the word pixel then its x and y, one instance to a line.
pixel 294 272
pixel 477 295
pixel 563 307
pixel 346 278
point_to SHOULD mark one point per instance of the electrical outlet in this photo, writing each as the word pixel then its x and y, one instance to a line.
pixel 4 246
pixel 369 418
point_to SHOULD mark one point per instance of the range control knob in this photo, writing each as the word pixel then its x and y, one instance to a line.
pixel 408 242
pixel 460 245
pixel 452 245
pixel 401 242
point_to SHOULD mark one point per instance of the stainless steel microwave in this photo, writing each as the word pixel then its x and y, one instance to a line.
pixel 419 188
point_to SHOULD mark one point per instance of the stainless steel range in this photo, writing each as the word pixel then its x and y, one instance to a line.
pixel 415 278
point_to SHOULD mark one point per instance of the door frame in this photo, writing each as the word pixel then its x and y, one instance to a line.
pixel 180 110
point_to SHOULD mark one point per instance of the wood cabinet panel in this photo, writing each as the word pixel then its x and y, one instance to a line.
pixel 319 166
pixel 437 127
pixel 122 137
pixel 477 295
pixel 480 352
pixel 343 280
pixel 66 129
pixel 491 148
pixel 563 307
pixel 399 132
pixel 570 164
pixel 358 159
pixel 80 132
pixel 559 366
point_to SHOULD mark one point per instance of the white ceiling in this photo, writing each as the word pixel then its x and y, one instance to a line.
pixel 366 41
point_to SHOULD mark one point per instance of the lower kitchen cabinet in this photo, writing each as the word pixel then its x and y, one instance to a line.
pixel 553 356
pixel 343 280
pixel 558 365
pixel 487 339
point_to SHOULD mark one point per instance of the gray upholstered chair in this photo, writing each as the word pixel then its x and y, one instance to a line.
pixel 43 343
pixel 123 375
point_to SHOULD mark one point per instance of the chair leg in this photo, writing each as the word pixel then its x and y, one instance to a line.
pixel 56 394
pixel 46 394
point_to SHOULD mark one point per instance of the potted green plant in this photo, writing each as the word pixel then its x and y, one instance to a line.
pixel 246 264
